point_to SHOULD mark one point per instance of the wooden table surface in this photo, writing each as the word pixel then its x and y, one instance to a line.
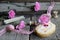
pixel 15 36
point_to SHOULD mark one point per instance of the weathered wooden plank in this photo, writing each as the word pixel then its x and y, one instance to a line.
pixel 22 7
pixel 30 0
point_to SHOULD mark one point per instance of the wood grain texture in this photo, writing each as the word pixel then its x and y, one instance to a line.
pixel 30 0
pixel 14 36
pixel 21 7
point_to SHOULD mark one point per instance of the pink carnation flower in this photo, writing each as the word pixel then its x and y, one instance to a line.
pixel 37 6
pixel 21 25
pixel 11 14
pixel 44 19
pixel 21 30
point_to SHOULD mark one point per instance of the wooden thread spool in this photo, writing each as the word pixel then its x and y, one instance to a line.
pixel 42 31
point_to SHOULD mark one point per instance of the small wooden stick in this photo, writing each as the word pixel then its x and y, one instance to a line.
pixel 3 31
pixel 14 19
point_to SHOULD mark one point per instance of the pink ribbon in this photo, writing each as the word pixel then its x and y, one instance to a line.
pixel 3 31
pixel 8 27
pixel 11 28
pixel 50 8
pixel 22 31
